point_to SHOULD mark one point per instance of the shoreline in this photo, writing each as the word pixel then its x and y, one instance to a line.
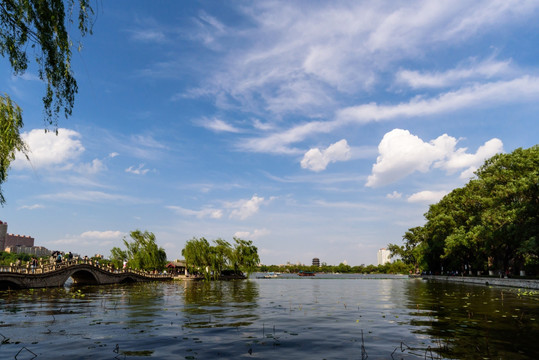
pixel 488 281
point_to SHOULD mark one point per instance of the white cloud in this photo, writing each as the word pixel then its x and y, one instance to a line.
pixel 31 207
pixel 204 213
pixel 429 197
pixel 317 160
pixel 401 154
pixel 253 235
pixel 459 159
pixel 109 234
pixel 243 209
pixel 48 149
pixel 113 155
pixel 394 195
pixel 217 125
pixel 138 170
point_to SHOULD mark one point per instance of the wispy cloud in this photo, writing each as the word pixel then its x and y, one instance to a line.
pixel 525 88
pixel 485 70
pixel 93 196
pixel 148 35
pixel 108 234
pixel 31 207
pixel 307 60
pixel 203 213
pixel 252 235
pixel 217 125
pixel 140 170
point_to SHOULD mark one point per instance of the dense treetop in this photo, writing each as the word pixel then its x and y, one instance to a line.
pixel 492 223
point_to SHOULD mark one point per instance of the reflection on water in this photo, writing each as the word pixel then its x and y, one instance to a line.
pixel 476 321
pixel 220 303
pixel 342 317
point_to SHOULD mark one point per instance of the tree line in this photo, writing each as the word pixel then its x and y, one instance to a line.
pixel 490 224
pixel 396 267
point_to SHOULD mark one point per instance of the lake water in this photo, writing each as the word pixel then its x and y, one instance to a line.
pixel 323 317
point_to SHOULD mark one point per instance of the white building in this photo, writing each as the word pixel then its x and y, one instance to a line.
pixel 383 256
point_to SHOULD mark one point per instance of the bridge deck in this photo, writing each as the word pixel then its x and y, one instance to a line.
pixel 82 272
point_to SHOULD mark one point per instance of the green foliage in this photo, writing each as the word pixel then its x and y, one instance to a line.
pixel 42 26
pixel 244 256
pixel 10 138
pixel 492 223
pixel 117 257
pixel 142 253
pixel 9 258
pixel 201 257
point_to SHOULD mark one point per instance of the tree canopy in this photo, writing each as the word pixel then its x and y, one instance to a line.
pixel 211 260
pixel 142 253
pixel 38 29
pixel 492 223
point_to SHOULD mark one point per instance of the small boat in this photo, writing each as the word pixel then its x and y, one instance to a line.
pixel 306 273
pixel 269 275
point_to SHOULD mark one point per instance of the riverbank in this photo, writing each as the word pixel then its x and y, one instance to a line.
pixel 510 282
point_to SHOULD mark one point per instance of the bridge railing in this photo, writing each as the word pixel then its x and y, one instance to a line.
pixel 46 268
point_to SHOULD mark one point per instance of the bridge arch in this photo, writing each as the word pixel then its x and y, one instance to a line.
pixel 84 277
pixel 127 280
pixel 9 285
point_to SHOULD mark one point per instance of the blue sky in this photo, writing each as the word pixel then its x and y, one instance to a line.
pixel 315 129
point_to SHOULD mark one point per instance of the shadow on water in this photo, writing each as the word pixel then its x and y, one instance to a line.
pixel 471 322
pixel 210 304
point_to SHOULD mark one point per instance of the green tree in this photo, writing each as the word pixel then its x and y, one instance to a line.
pixel 117 257
pixel 490 223
pixel 142 253
pixel 197 256
pixel 244 256
pixel 220 255
pixel 201 257
pixel 42 26
pixel 410 252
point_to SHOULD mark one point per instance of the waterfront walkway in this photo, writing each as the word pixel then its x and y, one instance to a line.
pixel 82 272
pixel 510 282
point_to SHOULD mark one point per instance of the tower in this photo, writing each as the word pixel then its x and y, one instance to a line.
pixel 3 235
pixel 384 256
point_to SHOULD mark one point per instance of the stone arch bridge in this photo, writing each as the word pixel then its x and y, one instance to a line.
pixel 86 273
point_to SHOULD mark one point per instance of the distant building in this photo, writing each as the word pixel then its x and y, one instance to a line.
pixel 316 262
pixel 32 250
pixel 383 256
pixel 19 244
